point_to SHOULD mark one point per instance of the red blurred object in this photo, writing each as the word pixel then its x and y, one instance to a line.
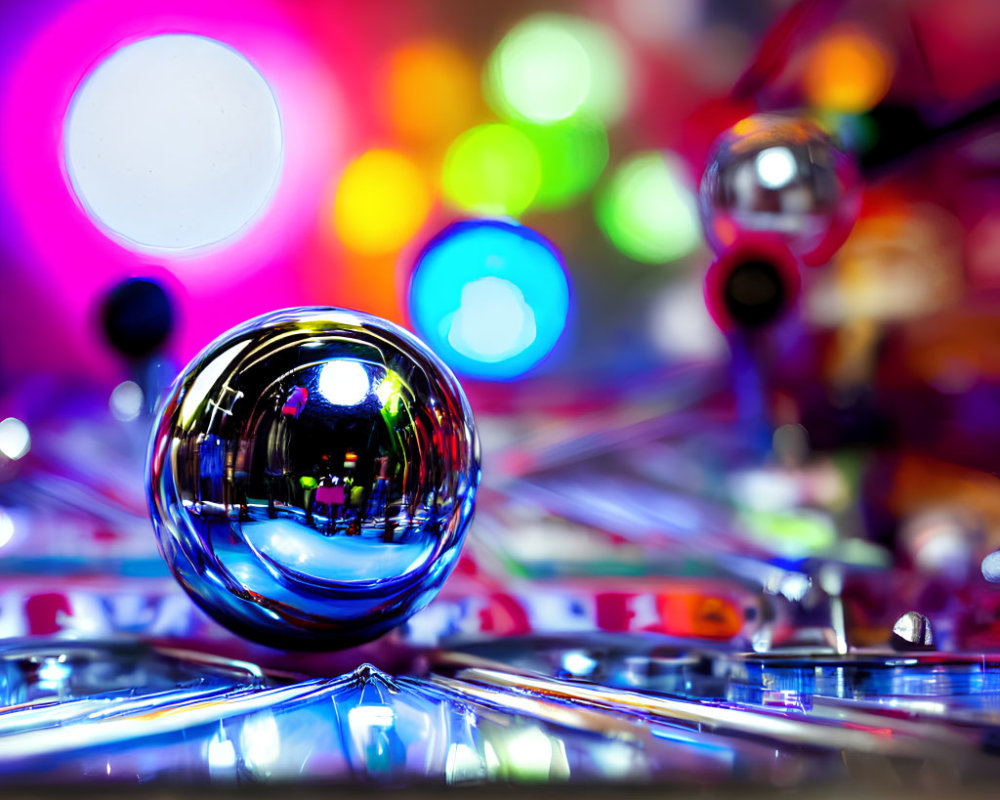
pixel 730 290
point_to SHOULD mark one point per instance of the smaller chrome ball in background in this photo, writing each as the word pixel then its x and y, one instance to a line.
pixel 311 476
pixel 772 173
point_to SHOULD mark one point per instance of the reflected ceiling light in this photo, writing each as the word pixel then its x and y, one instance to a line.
pixel 776 167
pixel 344 382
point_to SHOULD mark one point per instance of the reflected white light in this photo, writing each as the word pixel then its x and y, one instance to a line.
pixel 15 441
pixel 576 663
pixel 491 758
pixel 326 315
pixel 221 755
pixel 776 167
pixel 288 546
pixel 368 716
pixel 206 380
pixel 792 585
pixel 6 528
pixel 493 322
pixel 463 764
pixel 530 754
pixel 260 743
pixel 53 672
pixel 126 401
pixel 174 143
pixel 344 382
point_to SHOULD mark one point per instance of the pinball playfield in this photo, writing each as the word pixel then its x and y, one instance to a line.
pixel 474 395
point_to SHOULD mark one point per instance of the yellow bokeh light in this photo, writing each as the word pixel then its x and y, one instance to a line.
pixel 847 71
pixel 382 201
pixel 429 91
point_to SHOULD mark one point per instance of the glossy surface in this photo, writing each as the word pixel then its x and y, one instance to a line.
pixel 776 174
pixel 752 283
pixel 311 477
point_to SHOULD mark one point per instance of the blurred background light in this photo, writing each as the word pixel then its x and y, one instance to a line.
pixel 382 201
pixel 847 70
pixel 572 155
pixel 15 440
pixel 126 401
pixel 6 528
pixel 491 170
pixel 490 297
pixel 648 210
pixel 173 143
pixel 672 23
pixel 261 267
pixel 680 326
pixel 429 91
pixel 549 67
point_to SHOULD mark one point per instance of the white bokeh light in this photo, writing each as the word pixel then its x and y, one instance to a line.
pixel 493 323
pixel 6 528
pixel 126 401
pixel 173 144
pixel 680 325
pixel 15 440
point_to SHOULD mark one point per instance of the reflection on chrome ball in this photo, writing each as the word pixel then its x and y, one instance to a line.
pixel 771 173
pixel 311 476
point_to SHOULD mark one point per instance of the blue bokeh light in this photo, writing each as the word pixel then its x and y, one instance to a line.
pixel 491 297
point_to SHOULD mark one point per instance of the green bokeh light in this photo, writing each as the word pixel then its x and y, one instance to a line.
pixel 550 67
pixel 491 170
pixel 572 155
pixel 648 211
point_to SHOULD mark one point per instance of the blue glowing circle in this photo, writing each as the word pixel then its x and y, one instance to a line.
pixel 491 297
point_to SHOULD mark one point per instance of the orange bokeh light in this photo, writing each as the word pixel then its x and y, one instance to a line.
pixel 847 71
pixel 429 92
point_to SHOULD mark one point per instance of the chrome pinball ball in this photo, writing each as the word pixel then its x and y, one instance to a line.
pixel 311 475
pixel 777 174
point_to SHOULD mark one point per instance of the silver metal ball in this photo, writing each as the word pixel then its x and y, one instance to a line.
pixel 311 476
pixel 772 173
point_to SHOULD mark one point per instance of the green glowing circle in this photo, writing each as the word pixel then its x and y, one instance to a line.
pixel 647 210
pixel 549 67
pixel 572 154
pixel 491 170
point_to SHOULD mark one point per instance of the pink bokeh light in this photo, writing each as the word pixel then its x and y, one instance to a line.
pixel 70 262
